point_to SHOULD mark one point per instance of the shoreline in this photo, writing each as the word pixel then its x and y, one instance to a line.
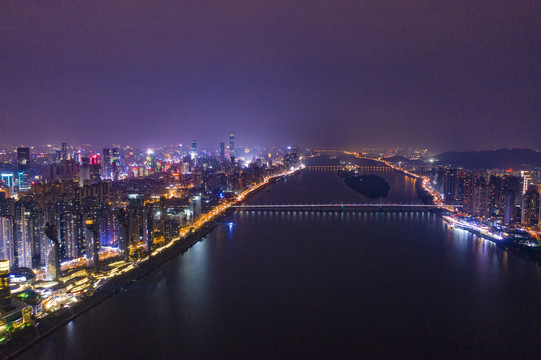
pixel 30 336
pixel 26 338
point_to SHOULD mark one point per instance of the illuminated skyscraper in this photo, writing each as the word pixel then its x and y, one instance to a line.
pixel 23 158
pixel 6 239
pixel 93 251
pixel 53 257
pixel 232 144
pixel 476 195
pixel 23 167
pixel 509 213
pixel 84 171
pixel 115 164
pixel 95 169
pixel 530 206
pixel 106 172
pixel 5 291
pixel 64 151
pixel 195 205
pixel 24 235
pixel 194 148
pixel 526 181
pixel 7 178
pixel 222 151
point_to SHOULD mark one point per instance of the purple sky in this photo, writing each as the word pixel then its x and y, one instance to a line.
pixel 448 75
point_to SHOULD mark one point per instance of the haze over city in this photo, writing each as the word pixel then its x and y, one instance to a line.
pixel 442 75
pixel 324 179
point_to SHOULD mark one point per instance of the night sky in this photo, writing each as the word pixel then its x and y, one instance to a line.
pixel 447 75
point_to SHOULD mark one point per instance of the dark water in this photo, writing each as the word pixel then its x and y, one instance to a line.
pixel 300 285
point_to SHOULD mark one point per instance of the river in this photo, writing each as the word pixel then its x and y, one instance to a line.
pixel 303 285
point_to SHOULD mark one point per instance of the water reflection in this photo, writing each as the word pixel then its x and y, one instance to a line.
pixel 302 284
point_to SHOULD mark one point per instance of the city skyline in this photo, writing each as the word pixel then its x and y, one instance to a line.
pixel 432 75
pixel 322 179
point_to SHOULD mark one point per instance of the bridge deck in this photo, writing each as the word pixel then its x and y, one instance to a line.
pixel 338 207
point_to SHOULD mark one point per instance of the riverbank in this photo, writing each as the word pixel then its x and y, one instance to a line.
pixel 26 338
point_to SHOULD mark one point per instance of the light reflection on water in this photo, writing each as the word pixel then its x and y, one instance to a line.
pixel 302 284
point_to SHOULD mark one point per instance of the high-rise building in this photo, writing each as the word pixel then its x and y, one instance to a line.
pixel 23 168
pixel 23 236
pixel 5 290
pixel 450 185
pixel 195 205
pixel 7 251
pixel 93 251
pixel 476 195
pixel 232 144
pixel 64 151
pixel 23 159
pixel 106 172
pixel 53 256
pixel 65 219
pixel 222 151
pixel 526 181
pixel 109 228
pixel 194 148
pixel 539 208
pixel 509 214
pixel 84 171
pixel 530 207
pixel 7 178
pixel 115 163
pixel 95 169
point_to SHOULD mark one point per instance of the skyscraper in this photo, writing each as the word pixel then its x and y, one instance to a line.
pixel 95 169
pixel 115 164
pixel 450 185
pixel 64 151
pixel 509 212
pixel 24 236
pixel 106 172
pixel 477 195
pixel 5 290
pixel 23 158
pixel 53 257
pixel 526 181
pixel 530 206
pixel 222 151
pixel 23 167
pixel 93 251
pixel 6 239
pixel 232 144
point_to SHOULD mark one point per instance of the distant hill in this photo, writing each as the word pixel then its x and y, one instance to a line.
pixel 492 159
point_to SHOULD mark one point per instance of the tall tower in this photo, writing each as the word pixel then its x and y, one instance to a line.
pixel 222 151
pixel 194 148
pixel 106 162
pixel 23 166
pixel 64 151
pixel 93 227
pixel 232 144
pixel 5 291
pixel 115 164
pixel 53 261
pixel 7 250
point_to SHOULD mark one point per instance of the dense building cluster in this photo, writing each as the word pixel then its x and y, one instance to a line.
pixel 70 218
pixel 116 201
pixel 509 196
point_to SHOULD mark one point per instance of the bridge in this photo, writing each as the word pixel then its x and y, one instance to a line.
pixel 340 167
pixel 387 207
